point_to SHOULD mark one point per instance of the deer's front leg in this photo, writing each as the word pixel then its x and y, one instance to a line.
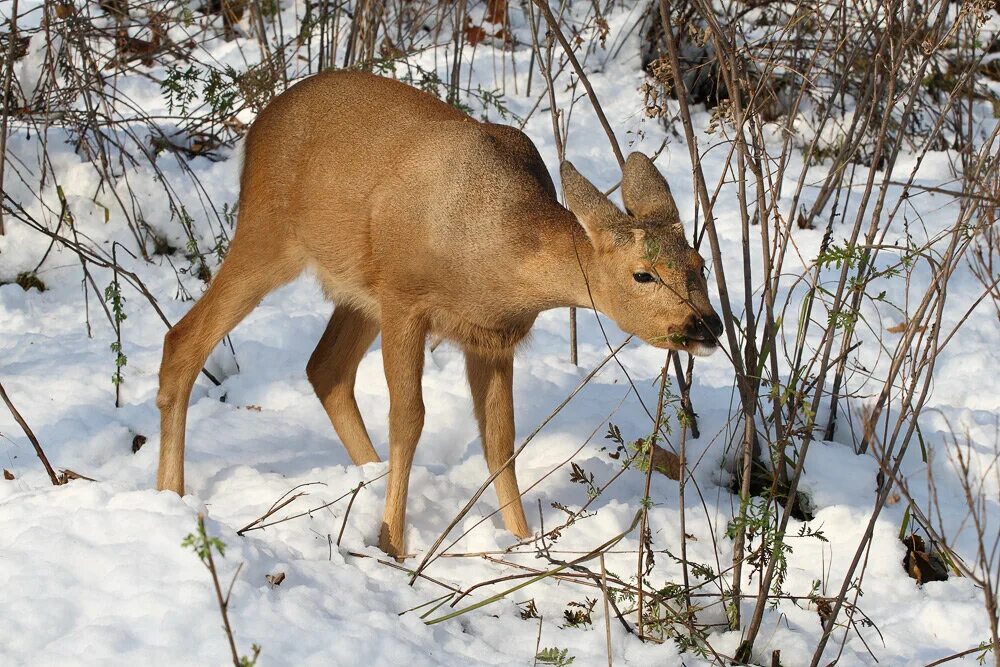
pixel 491 379
pixel 403 336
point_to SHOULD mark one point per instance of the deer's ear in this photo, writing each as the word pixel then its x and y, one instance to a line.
pixel 595 212
pixel 646 193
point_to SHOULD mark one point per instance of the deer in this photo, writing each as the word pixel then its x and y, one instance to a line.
pixel 421 222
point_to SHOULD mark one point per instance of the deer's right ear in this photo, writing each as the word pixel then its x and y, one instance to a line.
pixel 592 209
pixel 645 192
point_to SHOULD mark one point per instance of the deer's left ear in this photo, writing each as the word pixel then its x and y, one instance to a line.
pixel 645 192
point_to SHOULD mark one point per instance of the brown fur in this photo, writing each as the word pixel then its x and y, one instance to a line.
pixel 420 220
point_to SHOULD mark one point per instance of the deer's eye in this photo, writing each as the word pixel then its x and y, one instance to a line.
pixel 643 277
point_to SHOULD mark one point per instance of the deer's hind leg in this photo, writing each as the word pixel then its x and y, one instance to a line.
pixel 332 370
pixel 251 270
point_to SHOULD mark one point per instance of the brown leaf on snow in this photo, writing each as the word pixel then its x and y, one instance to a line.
pixel 8 475
pixel 824 609
pixel 474 34
pixel 666 463
pixel 137 442
pixel 275 579
pixel 67 475
pixel 921 564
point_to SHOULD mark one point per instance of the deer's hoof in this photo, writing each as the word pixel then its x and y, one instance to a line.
pixel 392 545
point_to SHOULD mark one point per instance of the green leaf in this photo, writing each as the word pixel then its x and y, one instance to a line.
pixel 554 656
pixel 905 524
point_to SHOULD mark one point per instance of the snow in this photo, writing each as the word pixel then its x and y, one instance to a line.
pixel 93 573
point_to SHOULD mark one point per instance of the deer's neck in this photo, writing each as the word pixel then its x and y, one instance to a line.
pixel 563 263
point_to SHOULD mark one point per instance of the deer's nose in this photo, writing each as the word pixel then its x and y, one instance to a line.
pixel 704 327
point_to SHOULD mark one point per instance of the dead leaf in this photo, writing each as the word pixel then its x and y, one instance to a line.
pixel 390 51
pixel 20 47
pixel 137 442
pixel 8 475
pixel 824 609
pixel 474 34
pixel 275 579
pixel 921 564
pixel 603 30
pixel 496 11
pixel 235 124
pixel 666 463
pixel 117 9
pixel 67 475
pixel 132 48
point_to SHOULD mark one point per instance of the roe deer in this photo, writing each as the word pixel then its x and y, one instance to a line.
pixel 419 220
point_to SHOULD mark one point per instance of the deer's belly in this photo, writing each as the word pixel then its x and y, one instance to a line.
pixel 480 334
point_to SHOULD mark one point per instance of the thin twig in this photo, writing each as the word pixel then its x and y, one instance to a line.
pixel 31 436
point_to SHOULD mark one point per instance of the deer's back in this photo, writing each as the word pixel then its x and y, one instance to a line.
pixel 384 187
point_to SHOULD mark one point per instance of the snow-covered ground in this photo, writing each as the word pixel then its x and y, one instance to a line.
pixel 93 572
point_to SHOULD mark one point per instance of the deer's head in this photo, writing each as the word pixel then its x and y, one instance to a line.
pixel 644 274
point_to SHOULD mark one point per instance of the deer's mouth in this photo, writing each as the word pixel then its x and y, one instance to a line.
pixel 701 347
pixel 696 346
